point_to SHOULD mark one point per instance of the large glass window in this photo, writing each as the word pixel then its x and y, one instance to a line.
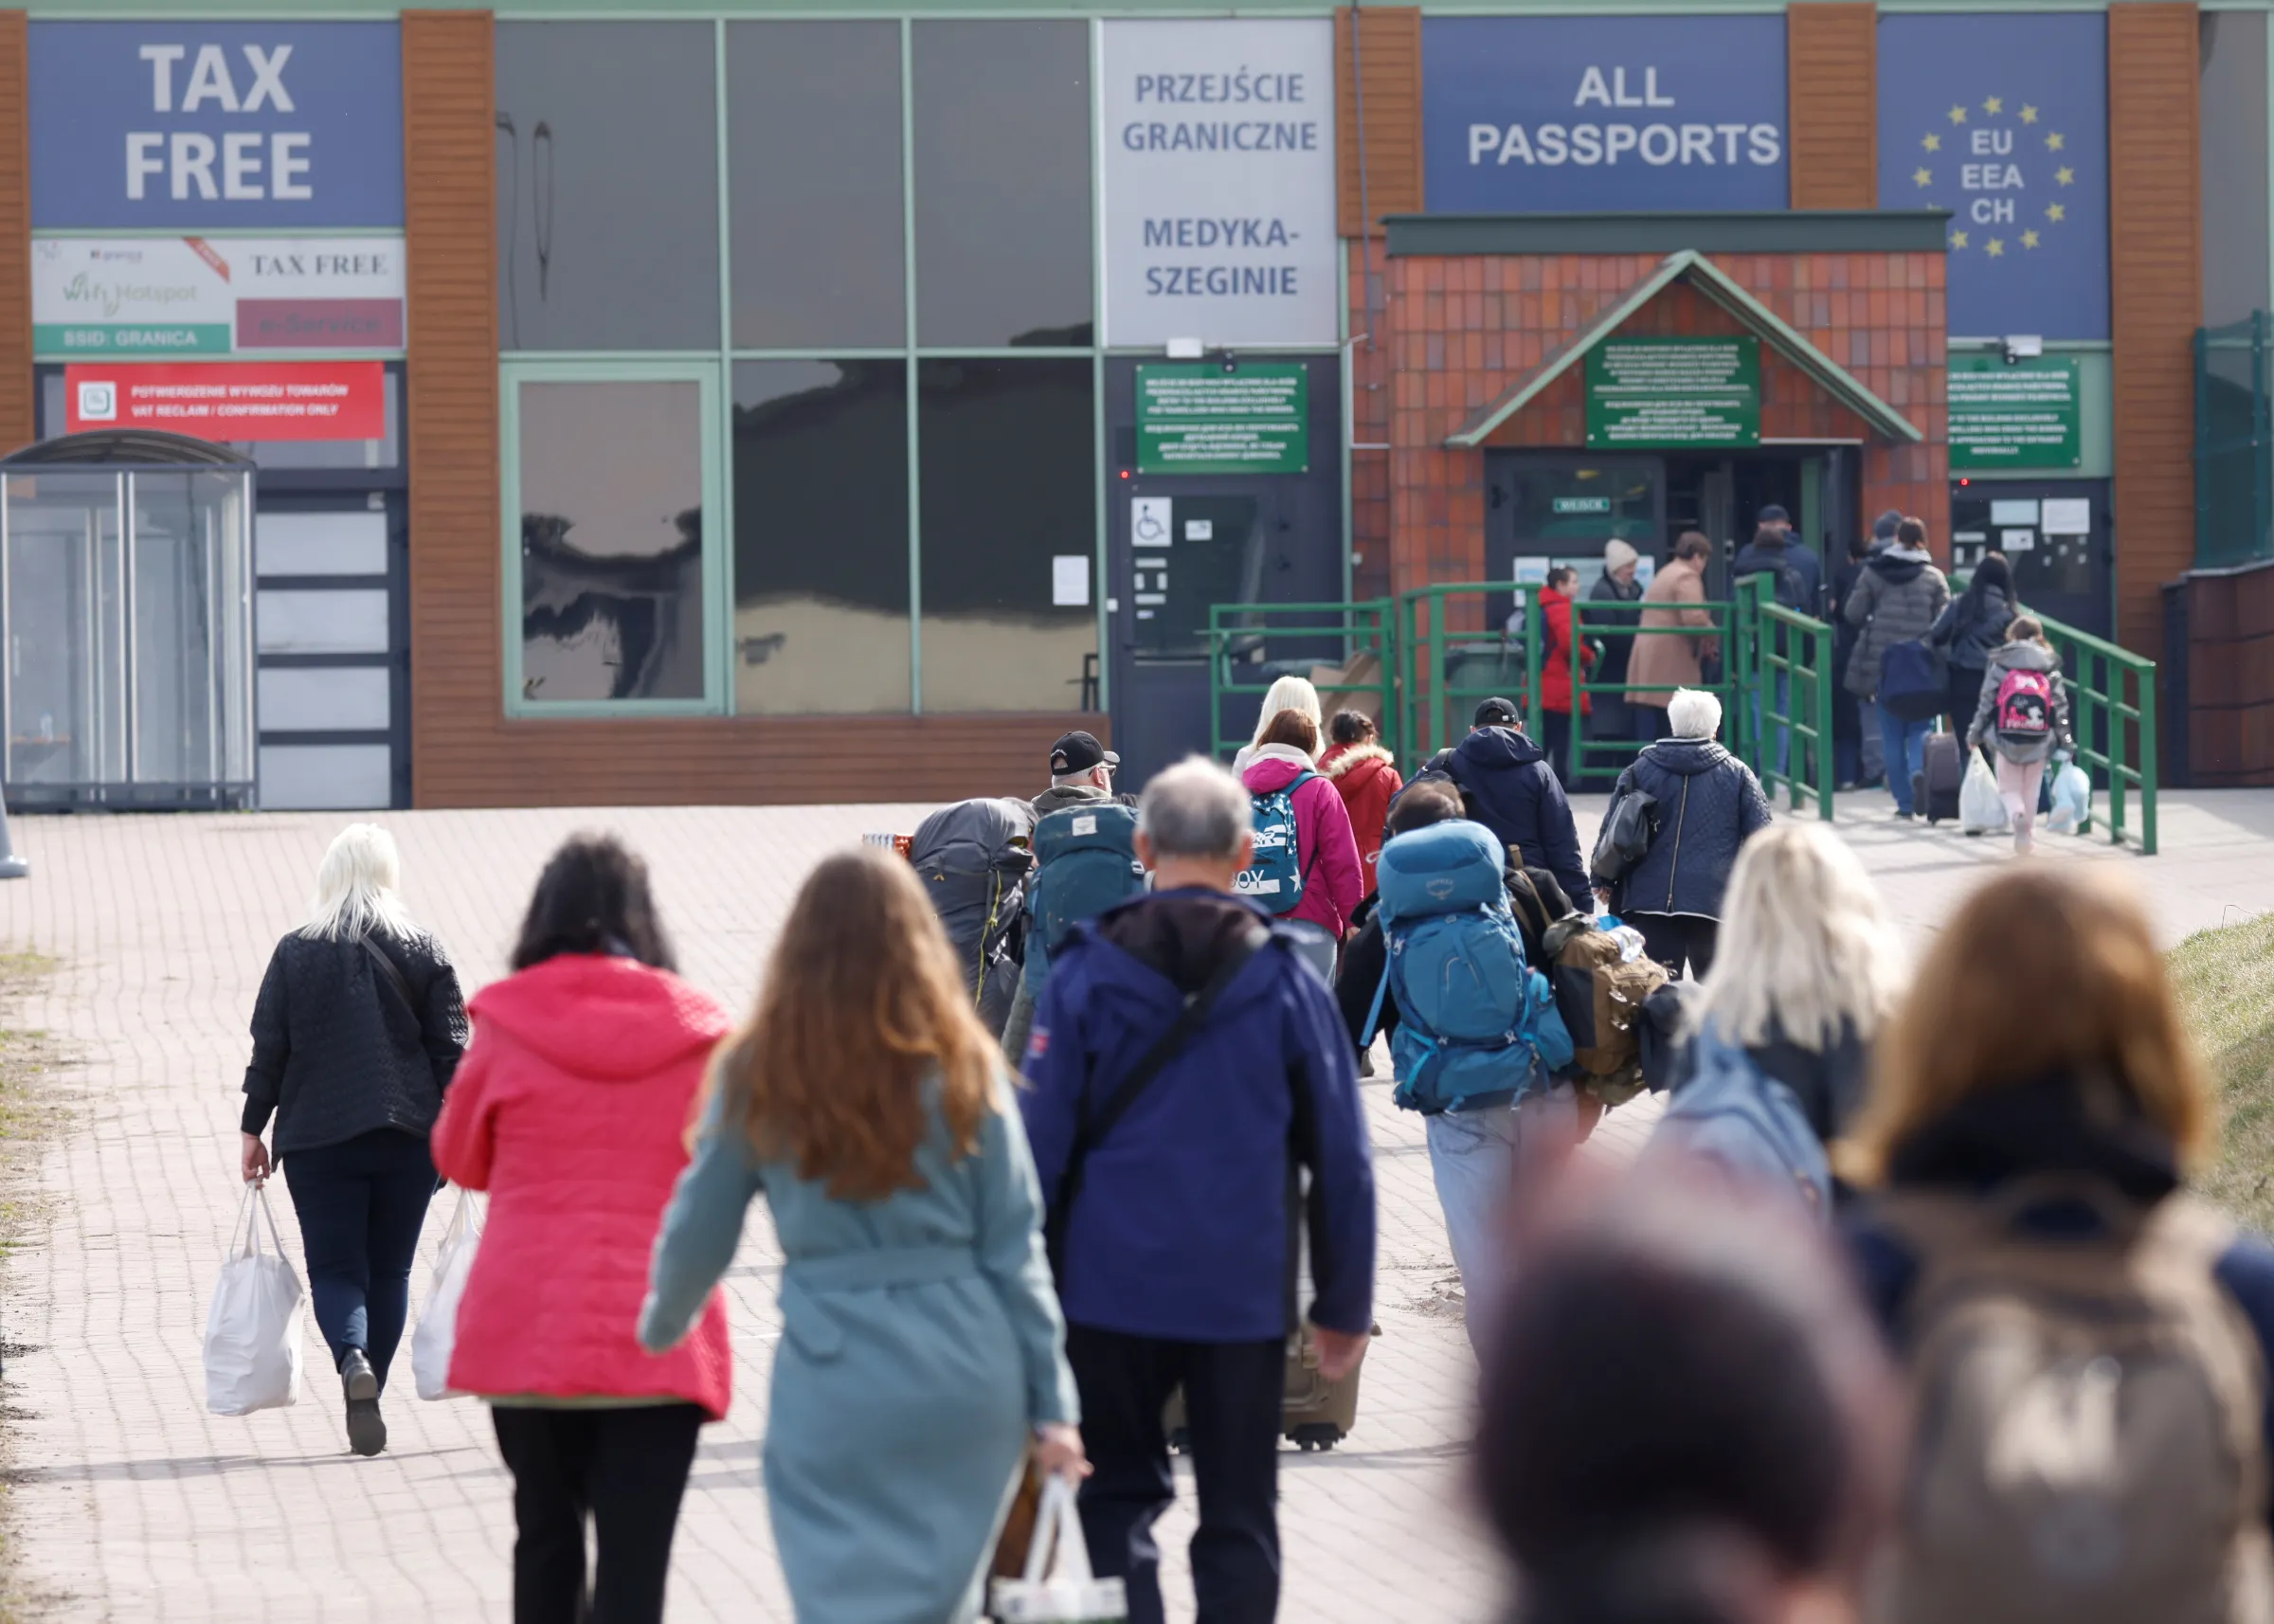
pixel 1003 183
pixel 607 186
pixel 1007 451
pixel 814 157
pixel 608 491
pixel 820 536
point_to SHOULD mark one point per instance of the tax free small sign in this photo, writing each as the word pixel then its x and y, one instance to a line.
pixel 277 126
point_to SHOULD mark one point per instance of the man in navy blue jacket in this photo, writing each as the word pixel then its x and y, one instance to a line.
pixel 1506 785
pixel 1175 1222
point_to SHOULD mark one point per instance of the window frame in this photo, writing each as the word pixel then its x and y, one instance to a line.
pixel 715 575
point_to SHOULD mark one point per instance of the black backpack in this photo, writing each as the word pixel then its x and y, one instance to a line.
pixel 973 858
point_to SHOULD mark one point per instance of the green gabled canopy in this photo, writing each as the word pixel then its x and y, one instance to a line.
pixel 1717 285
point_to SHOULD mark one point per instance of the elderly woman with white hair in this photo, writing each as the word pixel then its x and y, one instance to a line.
pixel 1285 693
pixel 1703 804
pixel 1811 970
pixel 356 1032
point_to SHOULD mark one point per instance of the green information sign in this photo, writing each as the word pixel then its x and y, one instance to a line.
pixel 132 338
pixel 1199 419
pixel 2022 415
pixel 1674 392
pixel 1581 504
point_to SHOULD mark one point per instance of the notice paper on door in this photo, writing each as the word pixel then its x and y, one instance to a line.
pixel 2013 541
pixel 2067 516
pixel 1069 581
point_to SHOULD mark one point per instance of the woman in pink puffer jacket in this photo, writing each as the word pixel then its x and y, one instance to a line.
pixel 1333 881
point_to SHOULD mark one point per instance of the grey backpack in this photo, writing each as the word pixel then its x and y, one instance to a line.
pixel 2087 1414
pixel 973 858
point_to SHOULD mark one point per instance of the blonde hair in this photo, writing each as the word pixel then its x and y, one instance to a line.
pixel 862 1004
pixel 356 888
pixel 1806 950
pixel 2046 972
pixel 1288 694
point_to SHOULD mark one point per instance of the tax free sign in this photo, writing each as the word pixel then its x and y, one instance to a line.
pixel 1525 115
pixel 279 126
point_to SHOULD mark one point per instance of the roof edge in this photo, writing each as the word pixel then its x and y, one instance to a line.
pixel 1780 231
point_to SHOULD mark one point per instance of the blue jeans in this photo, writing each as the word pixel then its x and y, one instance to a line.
pixel 1472 1156
pixel 1784 733
pixel 1905 745
pixel 361 1205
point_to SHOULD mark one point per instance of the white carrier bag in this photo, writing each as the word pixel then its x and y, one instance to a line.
pixel 436 1333
pixel 253 1331
pixel 1981 808
pixel 1058 1588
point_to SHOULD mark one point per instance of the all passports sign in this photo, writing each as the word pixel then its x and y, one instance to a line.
pixel 284 126
pixel 1218 207
pixel 1553 113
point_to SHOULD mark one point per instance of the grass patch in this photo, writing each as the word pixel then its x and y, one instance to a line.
pixel 2225 983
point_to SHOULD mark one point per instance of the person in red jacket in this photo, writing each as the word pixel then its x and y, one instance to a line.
pixel 1556 606
pixel 1365 776
pixel 571 1110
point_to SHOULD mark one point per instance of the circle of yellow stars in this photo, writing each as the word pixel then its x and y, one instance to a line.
pixel 1992 107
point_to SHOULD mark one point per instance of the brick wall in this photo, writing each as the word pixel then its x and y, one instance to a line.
pixel 1831 55
pixel 1388 51
pixel 1468 329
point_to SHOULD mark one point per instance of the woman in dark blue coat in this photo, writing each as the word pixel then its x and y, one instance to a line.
pixel 1708 804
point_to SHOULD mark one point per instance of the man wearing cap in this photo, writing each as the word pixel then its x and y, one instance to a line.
pixel 1080 769
pixel 1081 773
pixel 1506 785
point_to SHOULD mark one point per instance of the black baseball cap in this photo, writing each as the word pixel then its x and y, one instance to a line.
pixel 1078 753
pixel 1773 514
pixel 1497 712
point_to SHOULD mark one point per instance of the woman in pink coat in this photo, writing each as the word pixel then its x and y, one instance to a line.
pixel 1333 880
pixel 571 1110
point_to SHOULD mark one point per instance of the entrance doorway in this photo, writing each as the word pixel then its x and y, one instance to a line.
pixel 1178 543
pixel 2056 533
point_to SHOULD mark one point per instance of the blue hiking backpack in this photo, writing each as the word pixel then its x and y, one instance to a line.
pixel 1474 1017
pixel 1089 863
pixel 1745 1126
pixel 1276 879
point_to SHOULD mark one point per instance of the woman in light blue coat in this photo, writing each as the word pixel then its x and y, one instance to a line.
pixel 922 1352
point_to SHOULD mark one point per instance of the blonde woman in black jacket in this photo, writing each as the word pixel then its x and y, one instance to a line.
pixel 357 1031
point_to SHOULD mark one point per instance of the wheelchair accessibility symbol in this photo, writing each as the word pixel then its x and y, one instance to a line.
pixel 1149 521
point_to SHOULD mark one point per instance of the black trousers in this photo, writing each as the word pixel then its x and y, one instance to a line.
pixel 1673 938
pixel 361 1205
pixel 627 1469
pixel 1555 727
pixel 1232 1392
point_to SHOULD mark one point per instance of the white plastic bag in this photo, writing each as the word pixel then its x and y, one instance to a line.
pixel 2073 801
pixel 1981 808
pixel 253 1329
pixel 1058 1588
pixel 436 1333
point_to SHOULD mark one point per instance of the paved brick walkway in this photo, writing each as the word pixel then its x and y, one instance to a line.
pixel 131 1503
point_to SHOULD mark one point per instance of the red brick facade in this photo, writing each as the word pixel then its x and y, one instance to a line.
pixel 1460 332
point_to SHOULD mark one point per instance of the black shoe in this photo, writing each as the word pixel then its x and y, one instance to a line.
pixel 367 1430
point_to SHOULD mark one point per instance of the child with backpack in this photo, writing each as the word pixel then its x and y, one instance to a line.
pixel 2086 1343
pixel 2022 714
pixel 1306 864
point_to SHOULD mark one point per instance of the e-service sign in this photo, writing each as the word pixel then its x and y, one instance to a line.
pixel 283 126
pixel 1543 115
pixel 1218 211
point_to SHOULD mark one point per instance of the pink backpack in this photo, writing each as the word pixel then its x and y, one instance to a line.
pixel 2025 704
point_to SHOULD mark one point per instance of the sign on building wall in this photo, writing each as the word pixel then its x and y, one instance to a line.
pixel 2026 414
pixel 149 297
pixel 1199 419
pixel 230 400
pixel 177 124
pixel 1674 392
pixel 1218 209
pixel 2003 120
pixel 1593 114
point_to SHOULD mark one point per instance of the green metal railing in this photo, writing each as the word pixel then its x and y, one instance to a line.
pixel 1784 661
pixel 2234 443
pixel 2112 712
pixel 1239 636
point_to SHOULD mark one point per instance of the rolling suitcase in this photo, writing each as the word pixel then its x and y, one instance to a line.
pixel 1315 1413
pixel 1942 773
